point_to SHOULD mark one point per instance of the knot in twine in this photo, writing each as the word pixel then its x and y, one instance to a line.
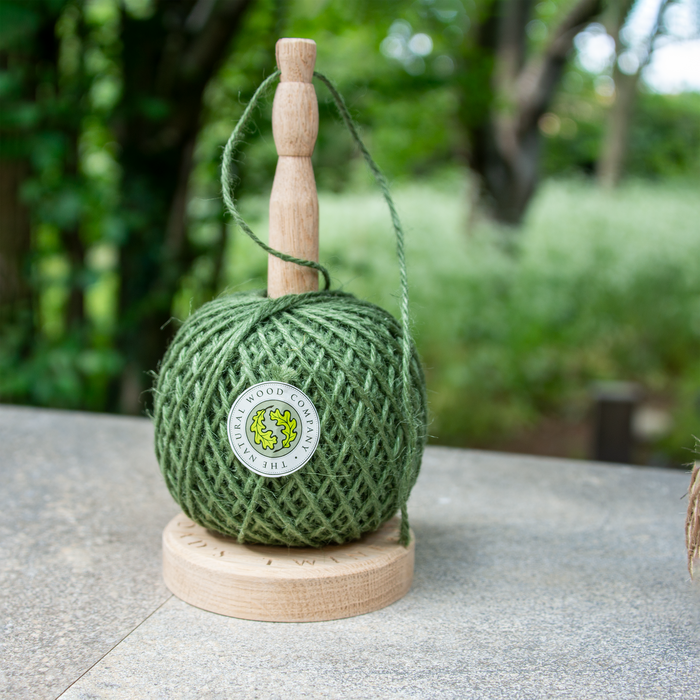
pixel 347 356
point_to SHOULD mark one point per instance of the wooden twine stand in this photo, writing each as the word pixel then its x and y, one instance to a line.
pixel 279 584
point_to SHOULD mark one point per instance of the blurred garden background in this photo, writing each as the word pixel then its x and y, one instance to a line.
pixel 545 159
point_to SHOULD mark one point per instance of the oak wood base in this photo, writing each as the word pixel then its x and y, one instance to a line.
pixel 279 584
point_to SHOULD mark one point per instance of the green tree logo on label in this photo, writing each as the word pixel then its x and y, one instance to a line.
pixel 273 428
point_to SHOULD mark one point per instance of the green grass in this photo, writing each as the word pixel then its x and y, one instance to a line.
pixel 514 326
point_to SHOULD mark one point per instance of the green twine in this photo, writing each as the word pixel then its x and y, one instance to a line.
pixel 354 360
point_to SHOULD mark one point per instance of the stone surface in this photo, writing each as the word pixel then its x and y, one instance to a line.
pixel 82 507
pixel 534 578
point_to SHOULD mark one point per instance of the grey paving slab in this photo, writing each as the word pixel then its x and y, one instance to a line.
pixel 534 579
pixel 82 506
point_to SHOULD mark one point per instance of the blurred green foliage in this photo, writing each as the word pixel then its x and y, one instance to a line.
pixel 664 136
pixel 603 287
pixel 597 285
pixel 54 100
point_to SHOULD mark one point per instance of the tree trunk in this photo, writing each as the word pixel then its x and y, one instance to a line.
pixel 152 261
pixel 504 134
pixel 612 160
pixel 168 61
pixel 614 150
pixel 15 241
pixel 508 177
pixel 27 57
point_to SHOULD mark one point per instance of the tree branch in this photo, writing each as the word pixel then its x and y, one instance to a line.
pixel 208 46
pixel 540 76
pixel 512 40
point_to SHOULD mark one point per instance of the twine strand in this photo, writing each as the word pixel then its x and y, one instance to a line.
pixel 403 276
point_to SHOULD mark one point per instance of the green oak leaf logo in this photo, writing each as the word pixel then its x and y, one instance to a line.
pixel 265 438
pixel 288 425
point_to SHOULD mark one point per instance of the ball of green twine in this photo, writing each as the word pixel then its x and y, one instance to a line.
pixel 347 356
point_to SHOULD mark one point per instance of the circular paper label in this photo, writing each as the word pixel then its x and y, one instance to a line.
pixel 273 428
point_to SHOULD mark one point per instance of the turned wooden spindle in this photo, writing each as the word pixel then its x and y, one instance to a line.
pixel 294 202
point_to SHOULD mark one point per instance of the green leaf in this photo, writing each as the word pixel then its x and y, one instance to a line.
pixel 287 423
pixel 263 437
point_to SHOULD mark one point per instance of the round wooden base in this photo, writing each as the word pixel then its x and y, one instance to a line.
pixel 279 584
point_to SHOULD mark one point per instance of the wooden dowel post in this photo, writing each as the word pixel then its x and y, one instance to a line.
pixel 294 201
